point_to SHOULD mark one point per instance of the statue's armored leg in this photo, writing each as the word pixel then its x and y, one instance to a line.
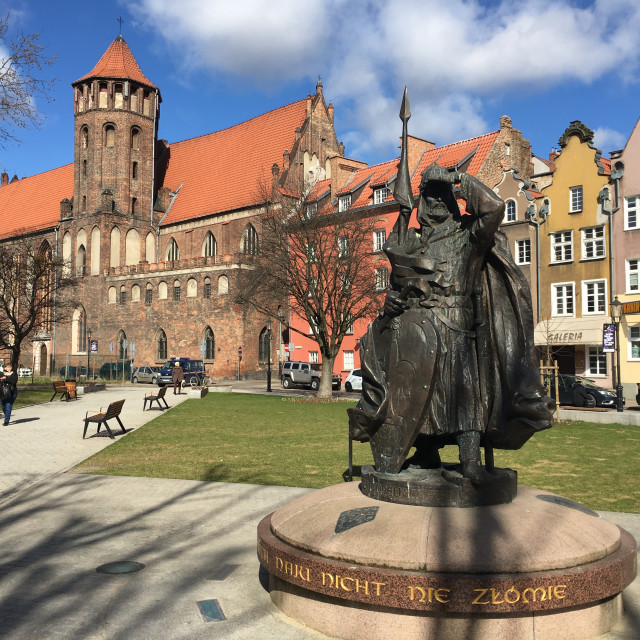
pixel 469 452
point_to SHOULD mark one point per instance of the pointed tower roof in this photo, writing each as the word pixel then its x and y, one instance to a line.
pixel 118 62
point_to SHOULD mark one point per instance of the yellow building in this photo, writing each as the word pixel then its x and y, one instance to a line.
pixel 574 259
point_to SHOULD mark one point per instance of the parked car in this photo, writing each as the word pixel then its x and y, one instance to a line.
pixel 24 372
pixel 638 394
pixel 146 374
pixel 305 374
pixel 596 396
pixel 191 369
pixel 113 370
pixel 354 381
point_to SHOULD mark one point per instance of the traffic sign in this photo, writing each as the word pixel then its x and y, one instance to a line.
pixel 286 348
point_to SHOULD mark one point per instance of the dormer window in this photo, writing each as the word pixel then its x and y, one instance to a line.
pixel 344 202
pixel 311 209
pixel 380 195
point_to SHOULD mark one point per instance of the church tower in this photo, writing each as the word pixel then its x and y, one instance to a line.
pixel 116 109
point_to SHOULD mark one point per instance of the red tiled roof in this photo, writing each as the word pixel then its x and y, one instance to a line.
pixel 606 163
pixel 446 156
pixel 33 203
pixel 222 171
pixel 118 62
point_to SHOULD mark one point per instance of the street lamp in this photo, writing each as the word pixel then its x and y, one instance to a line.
pixel 269 355
pixel 280 322
pixel 88 352
pixel 616 315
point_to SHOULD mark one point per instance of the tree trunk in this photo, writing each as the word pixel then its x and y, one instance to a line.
pixel 325 389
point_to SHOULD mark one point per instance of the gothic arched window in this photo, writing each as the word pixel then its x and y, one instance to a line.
pixel 250 240
pixel 209 344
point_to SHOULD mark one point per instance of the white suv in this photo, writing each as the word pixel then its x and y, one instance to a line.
pixel 305 374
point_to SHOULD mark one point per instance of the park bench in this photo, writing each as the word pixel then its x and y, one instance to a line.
pixel 151 398
pixel 67 390
pixel 104 414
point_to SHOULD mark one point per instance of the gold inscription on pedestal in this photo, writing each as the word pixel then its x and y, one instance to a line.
pixel 345 583
pixel 428 595
pixel 513 595
pixel 263 554
pixel 292 569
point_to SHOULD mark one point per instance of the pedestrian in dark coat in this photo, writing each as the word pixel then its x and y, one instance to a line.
pixel 9 377
pixel 177 376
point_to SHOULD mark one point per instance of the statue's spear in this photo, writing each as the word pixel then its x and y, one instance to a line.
pixel 402 189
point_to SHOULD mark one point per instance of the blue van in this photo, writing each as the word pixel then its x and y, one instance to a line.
pixel 191 369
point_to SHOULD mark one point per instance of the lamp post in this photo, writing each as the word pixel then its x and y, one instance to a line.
pixel 269 355
pixel 88 352
pixel 616 315
pixel 280 321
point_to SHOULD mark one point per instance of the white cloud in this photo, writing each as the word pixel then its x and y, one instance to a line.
pixel 608 140
pixel 453 56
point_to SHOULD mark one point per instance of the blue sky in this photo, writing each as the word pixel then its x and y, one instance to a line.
pixel 466 62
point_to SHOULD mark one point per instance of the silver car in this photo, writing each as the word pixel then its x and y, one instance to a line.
pixel 146 374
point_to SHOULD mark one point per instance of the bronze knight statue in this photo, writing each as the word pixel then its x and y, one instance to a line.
pixel 450 358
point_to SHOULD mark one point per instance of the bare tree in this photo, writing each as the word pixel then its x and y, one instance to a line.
pixel 21 60
pixel 321 261
pixel 31 283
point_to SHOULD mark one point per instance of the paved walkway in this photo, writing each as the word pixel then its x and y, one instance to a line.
pixel 196 540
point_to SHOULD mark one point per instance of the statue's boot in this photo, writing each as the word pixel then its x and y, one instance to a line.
pixel 427 454
pixel 469 452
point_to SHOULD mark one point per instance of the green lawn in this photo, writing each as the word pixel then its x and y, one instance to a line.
pixel 277 441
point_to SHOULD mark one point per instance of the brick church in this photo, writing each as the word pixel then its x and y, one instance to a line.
pixel 156 232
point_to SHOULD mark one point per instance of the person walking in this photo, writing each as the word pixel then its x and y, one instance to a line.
pixel 177 376
pixel 8 391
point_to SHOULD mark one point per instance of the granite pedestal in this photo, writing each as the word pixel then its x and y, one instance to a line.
pixel 353 567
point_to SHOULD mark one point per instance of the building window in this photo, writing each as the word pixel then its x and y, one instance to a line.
pixel 510 211
pixel 343 247
pixel 349 319
pixel 631 206
pixel 118 101
pixel 81 261
pixel 562 246
pixel 206 290
pixel 134 203
pixel 349 361
pixel 382 278
pixel 223 285
pixel 594 297
pixel 263 345
pixel 562 297
pixel 102 99
pixel 311 209
pixel 523 251
pixel 380 195
pixel 250 240
pixel 173 252
pixel 344 202
pixel 575 199
pixel 592 243
pixel 176 291
pixel 134 170
pixel 148 294
pixel 161 345
pixel 135 138
pixel 123 295
pixel 84 168
pixel 163 290
pixel 110 135
pixel 85 137
pixel 379 238
pixel 314 357
pixel 209 344
pixel 634 343
pixel 633 284
pixel 597 362
pixel 209 246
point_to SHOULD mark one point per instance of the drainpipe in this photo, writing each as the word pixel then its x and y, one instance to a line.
pixel 603 198
pixel 536 221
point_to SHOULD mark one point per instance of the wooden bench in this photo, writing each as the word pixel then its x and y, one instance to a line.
pixel 151 398
pixel 68 390
pixel 101 417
